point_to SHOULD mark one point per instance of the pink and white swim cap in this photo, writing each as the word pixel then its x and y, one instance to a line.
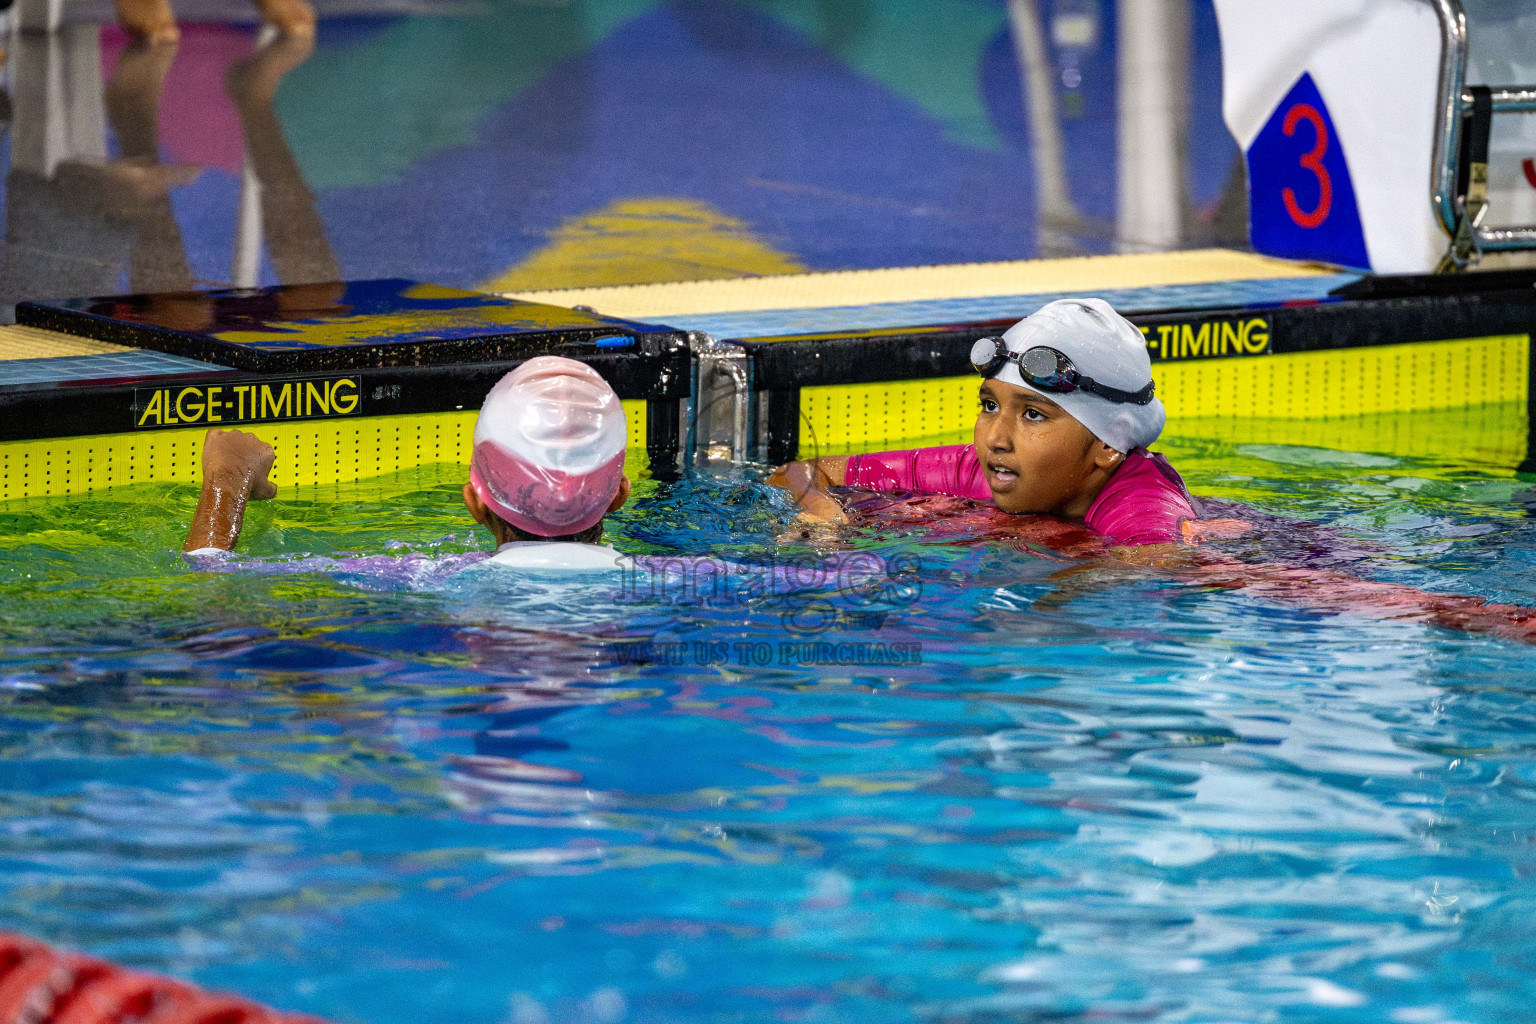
pixel 549 447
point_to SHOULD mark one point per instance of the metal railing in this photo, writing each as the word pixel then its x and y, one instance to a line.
pixel 1455 103
pixel 722 415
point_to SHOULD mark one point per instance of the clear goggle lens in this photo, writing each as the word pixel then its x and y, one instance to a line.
pixel 984 351
pixel 1045 368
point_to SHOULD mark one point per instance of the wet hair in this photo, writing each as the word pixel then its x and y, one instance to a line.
pixel 501 528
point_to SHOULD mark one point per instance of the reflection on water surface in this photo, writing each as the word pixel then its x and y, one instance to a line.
pixel 463 797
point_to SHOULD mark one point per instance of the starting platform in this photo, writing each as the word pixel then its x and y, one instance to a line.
pixel 349 380
pixel 354 380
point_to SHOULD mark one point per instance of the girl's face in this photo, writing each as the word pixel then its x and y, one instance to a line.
pixel 1035 457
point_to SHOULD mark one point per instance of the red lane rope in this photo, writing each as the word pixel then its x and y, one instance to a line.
pixel 39 985
pixel 30 986
pixel 115 998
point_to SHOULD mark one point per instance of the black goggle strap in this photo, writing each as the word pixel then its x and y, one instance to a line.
pixel 1077 380
pixel 1093 387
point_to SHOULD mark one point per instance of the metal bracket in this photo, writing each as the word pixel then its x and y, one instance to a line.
pixel 722 416
pixel 1455 103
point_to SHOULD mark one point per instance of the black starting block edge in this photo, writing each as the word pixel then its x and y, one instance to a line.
pixel 656 372
pixel 1381 310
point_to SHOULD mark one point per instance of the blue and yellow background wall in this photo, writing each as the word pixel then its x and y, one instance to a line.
pixel 513 144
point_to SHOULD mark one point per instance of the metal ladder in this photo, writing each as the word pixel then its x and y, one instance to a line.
pixel 1463 110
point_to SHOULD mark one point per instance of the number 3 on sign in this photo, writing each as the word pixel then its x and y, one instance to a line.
pixel 1313 162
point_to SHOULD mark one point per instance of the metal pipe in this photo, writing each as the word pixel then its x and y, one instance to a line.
pixel 1453 71
pixel 1509 99
pixel 1517 99
pixel 1501 239
pixel 1039 87
pixel 721 374
pixel 1153 121
pixel 245 272
pixel 741 409
pixel 1455 101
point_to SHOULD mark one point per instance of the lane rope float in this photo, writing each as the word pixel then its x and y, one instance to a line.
pixel 41 985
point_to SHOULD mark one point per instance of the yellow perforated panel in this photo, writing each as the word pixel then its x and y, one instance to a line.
pixel 319 451
pixel 1331 385
pixel 18 342
pixel 1349 382
pixel 866 417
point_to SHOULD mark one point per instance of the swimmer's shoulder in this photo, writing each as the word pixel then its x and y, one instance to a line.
pixel 1148 476
pixel 529 556
pixel 1145 502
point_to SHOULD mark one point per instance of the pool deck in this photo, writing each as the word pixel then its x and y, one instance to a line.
pixel 968 292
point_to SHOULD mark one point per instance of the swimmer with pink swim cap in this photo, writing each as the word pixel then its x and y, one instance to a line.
pixel 549 459
pixel 1067 408
pixel 548 465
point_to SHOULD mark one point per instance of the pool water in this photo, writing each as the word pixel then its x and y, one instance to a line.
pixel 1091 793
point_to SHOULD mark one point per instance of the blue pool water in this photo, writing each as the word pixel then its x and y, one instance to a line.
pixel 1103 795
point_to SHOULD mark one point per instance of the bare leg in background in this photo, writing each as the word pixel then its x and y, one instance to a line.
pixel 154 21
pixel 295 234
pixel 141 183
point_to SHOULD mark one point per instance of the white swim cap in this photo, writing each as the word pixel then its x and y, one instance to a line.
pixel 549 447
pixel 1102 345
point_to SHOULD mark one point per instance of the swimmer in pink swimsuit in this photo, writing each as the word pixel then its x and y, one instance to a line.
pixel 1066 415
pixel 1067 410
pixel 1144 502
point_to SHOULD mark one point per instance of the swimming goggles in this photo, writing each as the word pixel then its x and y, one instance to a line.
pixel 1048 370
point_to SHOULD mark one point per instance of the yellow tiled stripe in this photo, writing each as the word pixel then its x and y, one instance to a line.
pixel 1335 384
pixel 915 284
pixel 319 451
pixel 18 342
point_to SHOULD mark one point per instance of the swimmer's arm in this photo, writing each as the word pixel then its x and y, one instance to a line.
pixel 1180 553
pixel 807 482
pixel 1155 556
pixel 235 468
